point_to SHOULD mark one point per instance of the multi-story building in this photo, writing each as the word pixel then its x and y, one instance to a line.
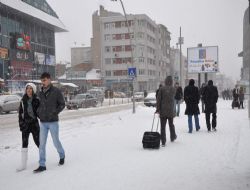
pixel 145 46
pixel 245 71
pixel 27 39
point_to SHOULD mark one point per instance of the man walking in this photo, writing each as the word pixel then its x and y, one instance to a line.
pixel 192 98
pixel 178 97
pixel 210 100
pixel 165 107
pixel 51 104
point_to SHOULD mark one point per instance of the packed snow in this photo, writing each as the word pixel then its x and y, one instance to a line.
pixel 104 152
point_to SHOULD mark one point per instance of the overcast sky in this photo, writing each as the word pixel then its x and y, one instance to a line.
pixel 210 22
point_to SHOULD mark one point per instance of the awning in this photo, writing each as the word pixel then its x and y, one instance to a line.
pixel 69 84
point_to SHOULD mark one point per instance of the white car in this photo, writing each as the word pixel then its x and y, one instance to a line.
pixel 150 100
pixel 139 96
pixel 9 103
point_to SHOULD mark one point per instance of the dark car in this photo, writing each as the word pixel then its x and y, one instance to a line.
pixel 82 101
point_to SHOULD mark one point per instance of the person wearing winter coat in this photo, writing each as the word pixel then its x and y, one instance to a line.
pixel 178 97
pixel 241 97
pixel 51 104
pixel 28 122
pixel 165 109
pixel 202 95
pixel 210 99
pixel 192 98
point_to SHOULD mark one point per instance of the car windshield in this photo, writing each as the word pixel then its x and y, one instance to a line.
pixel 80 96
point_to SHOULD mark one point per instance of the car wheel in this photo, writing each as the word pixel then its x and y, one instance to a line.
pixel 7 112
pixel 1 110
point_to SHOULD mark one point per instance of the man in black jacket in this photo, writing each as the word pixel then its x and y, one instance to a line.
pixel 192 99
pixel 51 104
pixel 210 100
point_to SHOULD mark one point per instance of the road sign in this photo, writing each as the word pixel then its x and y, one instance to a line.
pixel 132 72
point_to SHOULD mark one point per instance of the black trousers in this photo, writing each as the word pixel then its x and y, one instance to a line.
pixel 163 129
pixel 214 120
pixel 34 130
pixel 241 104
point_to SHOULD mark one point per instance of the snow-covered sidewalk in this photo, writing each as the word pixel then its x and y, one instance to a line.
pixel 104 152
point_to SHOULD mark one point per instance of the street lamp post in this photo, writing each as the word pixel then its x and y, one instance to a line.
pixel 249 65
pixel 132 57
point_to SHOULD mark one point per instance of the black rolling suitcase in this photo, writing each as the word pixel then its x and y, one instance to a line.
pixel 152 139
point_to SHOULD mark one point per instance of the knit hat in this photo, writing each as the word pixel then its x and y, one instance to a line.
pixel 32 85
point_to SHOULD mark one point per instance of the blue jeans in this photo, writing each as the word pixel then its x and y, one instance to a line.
pixel 177 107
pixel 190 123
pixel 53 127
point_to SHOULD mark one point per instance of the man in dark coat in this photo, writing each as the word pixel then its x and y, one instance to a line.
pixel 192 98
pixel 51 104
pixel 165 107
pixel 210 100
pixel 178 97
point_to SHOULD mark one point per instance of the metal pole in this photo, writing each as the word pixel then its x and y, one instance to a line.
pixel 249 64
pixel 180 42
pixel 132 58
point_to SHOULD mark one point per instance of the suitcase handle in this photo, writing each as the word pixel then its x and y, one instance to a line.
pixel 153 123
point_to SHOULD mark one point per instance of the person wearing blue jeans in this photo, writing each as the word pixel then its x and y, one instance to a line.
pixel 178 97
pixel 51 104
pixel 190 123
pixel 53 127
pixel 192 98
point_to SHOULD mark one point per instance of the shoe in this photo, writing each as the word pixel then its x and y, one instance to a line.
pixel 40 169
pixel 163 145
pixel 214 129
pixel 189 131
pixel 173 139
pixel 61 161
pixel 197 129
pixel 209 130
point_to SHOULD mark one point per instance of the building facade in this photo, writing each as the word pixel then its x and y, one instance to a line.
pixel 146 47
pixel 27 39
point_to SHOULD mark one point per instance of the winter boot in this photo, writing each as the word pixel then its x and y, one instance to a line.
pixel 61 161
pixel 24 158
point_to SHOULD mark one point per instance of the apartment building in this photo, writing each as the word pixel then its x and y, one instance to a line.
pixel 146 46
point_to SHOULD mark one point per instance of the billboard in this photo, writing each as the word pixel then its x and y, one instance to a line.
pixel 39 58
pixel 203 59
pixel 23 42
pixel 4 53
pixel 50 60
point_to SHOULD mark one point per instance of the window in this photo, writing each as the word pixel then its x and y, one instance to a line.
pixel 108 61
pixel 107 37
pixel 108 73
pixel 107 49
pixel 141 59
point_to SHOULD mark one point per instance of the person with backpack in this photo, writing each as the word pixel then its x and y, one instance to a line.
pixel 28 121
pixel 165 109
pixel 192 98
pixel 210 99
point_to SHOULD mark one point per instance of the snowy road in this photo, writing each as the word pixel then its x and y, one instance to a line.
pixel 104 152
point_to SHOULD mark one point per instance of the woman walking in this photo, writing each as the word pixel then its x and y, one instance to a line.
pixel 28 121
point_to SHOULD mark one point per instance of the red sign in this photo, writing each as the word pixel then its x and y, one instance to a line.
pixel 23 42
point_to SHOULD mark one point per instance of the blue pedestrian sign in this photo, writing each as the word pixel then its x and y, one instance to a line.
pixel 132 72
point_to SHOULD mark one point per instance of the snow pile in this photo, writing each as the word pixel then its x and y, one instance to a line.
pixel 104 152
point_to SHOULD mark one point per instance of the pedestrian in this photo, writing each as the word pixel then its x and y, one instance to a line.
pixel 192 98
pixel 210 98
pixel 202 97
pixel 51 104
pixel 241 97
pixel 28 121
pixel 178 97
pixel 165 109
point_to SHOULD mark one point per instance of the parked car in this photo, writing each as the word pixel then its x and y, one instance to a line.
pixel 9 103
pixel 82 101
pixel 139 96
pixel 150 100
pixel 119 95
pixel 98 93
